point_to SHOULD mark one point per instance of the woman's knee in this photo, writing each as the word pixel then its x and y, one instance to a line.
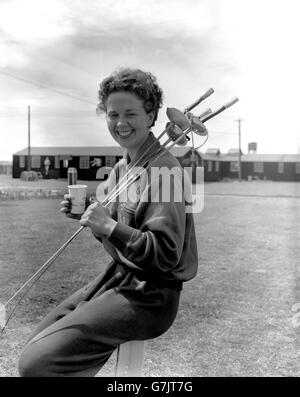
pixel 34 362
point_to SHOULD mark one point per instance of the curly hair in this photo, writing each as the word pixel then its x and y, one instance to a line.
pixel 143 84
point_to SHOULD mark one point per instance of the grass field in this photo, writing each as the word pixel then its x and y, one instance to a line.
pixel 235 317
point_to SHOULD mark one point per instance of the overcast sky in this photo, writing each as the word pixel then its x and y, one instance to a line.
pixel 54 53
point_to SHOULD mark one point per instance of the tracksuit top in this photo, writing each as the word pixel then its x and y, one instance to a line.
pixel 154 235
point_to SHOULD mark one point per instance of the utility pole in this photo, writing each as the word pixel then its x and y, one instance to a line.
pixel 193 159
pixel 29 155
pixel 240 162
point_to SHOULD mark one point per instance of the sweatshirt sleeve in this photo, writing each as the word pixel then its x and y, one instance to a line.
pixel 157 241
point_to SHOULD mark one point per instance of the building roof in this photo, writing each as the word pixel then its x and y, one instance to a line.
pixel 214 151
pixel 254 157
pixel 213 157
pixel 271 158
pixel 4 162
pixel 177 151
pixel 234 152
pixel 73 151
pixel 180 151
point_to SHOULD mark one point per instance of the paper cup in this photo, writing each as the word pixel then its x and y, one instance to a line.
pixel 78 198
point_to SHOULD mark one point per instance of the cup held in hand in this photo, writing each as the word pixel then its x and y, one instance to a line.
pixel 78 198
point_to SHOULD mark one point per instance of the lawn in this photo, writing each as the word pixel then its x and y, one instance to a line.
pixel 235 315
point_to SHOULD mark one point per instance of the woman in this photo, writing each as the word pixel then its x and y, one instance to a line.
pixel 152 243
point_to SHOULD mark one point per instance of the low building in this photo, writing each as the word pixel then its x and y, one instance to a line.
pixel 87 160
pixel 95 163
pixel 5 167
pixel 91 162
pixel 275 167
pixel 212 165
pixel 188 157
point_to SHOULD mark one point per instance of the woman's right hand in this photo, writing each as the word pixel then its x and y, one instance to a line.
pixel 66 205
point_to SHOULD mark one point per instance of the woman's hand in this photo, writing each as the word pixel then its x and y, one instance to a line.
pixel 66 205
pixel 98 219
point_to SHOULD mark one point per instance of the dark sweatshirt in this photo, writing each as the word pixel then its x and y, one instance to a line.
pixel 154 237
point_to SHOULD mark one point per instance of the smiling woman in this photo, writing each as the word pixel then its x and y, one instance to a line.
pixel 152 244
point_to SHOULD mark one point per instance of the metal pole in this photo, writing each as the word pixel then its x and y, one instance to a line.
pixel 240 162
pixel 193 159
pixel 29 155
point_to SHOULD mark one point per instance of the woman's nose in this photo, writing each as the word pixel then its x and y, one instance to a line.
pixel 122 120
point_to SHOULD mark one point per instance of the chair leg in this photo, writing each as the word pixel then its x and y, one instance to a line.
pixel 130 359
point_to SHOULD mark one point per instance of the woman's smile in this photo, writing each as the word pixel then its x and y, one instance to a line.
pixel 124 133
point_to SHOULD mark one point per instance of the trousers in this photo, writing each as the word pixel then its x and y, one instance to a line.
pixel 78 336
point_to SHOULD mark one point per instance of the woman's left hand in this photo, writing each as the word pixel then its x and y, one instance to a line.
pixel 98 219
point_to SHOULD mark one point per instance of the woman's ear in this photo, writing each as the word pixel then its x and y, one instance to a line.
pixel 151 116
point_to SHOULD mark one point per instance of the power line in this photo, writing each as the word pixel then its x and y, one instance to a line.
pixel 58 116
pixel 45 87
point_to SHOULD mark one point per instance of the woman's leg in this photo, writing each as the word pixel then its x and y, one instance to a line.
pixel 69 304
pixel 58 312
pixel 80 343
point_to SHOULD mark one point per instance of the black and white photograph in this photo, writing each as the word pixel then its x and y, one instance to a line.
pixel 149 191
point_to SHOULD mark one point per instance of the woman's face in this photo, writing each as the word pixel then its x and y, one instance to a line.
pixel 127 120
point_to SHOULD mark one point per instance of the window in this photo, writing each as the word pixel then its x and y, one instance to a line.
pixel 22 161
pixel 96 162
pixel 297 168
pixel 56 162
pixel 35 162
pixel 65 163
pixel 234 166
pixel 210 166
pixel 110 161
pixel 280 168
pixel 84 162
pixel 258 167
pixel 217 166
